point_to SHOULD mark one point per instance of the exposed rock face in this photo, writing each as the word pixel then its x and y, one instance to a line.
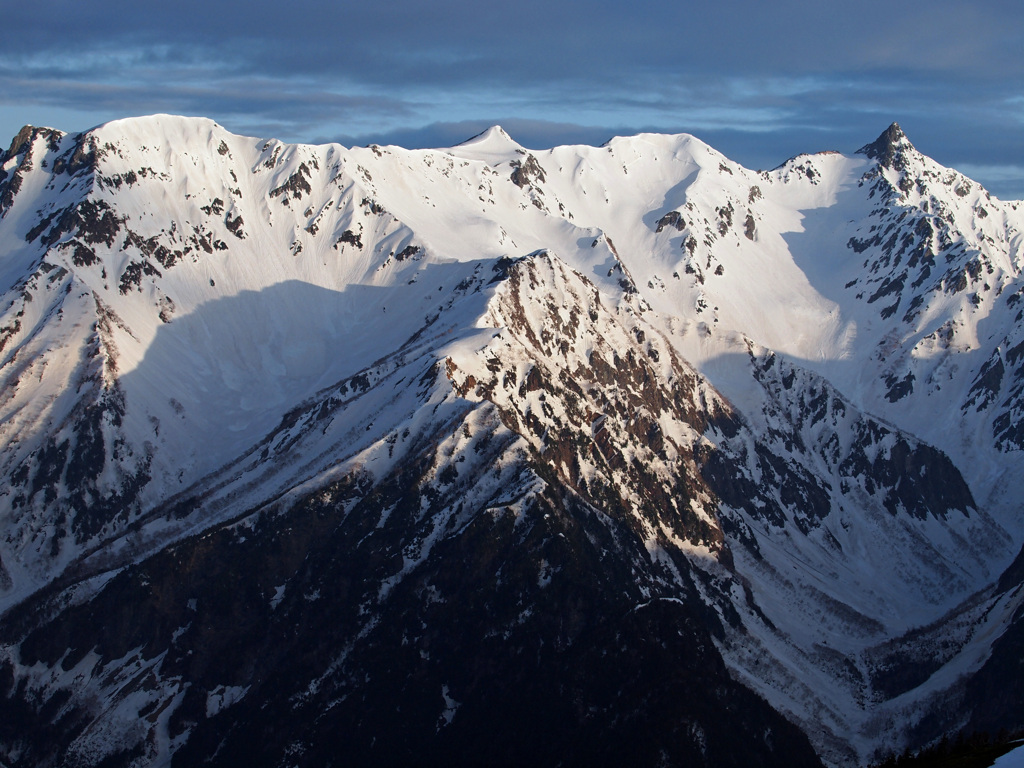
pixel 314 454
pixel 888 148
pixel 527 172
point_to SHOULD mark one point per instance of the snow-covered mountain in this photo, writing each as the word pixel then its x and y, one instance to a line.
pixel 623 454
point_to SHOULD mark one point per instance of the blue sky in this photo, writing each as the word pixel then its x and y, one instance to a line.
pixel 758 81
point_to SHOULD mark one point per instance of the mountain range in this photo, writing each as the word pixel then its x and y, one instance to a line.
pixel 315 455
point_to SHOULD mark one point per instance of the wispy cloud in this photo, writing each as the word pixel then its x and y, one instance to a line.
pixel 753 79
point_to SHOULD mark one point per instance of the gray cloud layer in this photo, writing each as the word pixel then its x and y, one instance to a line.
pixel 758 81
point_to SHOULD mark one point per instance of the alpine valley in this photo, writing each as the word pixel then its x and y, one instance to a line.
pixel 619 455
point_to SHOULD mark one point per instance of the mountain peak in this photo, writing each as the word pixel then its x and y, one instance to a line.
pixel 20 140
pixel 419 406
pixel 889 148
pixel 24 138
pixel 492 141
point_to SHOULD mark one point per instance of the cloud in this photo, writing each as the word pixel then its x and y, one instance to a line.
pixel 426 41
pixel 761 78
pixel 533 134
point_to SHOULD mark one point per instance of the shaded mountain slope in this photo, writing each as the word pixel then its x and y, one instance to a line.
pixel 424 452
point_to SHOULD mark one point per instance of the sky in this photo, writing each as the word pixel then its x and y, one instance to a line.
pixel 758 81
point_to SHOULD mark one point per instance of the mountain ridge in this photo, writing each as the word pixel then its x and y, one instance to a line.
pixel 729 377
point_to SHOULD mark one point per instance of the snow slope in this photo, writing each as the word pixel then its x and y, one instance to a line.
pixel 823 361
